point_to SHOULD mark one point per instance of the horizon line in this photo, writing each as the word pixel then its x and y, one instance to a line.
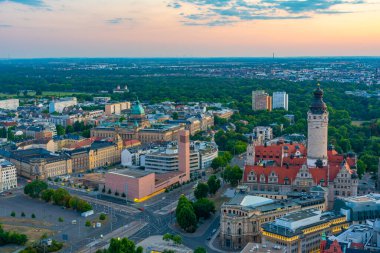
pixel 188 57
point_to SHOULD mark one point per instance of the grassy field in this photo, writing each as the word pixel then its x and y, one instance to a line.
pixel 34 234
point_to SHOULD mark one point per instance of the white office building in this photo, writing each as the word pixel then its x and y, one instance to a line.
pixel 8 175
pixel 60 105
pixel 9 104
pixel 280 100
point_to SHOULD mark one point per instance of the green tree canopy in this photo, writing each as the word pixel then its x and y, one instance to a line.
pixel 35 188
pixel 201 191
pixel 233 175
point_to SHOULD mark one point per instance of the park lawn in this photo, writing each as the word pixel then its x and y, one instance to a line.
pixel 33 233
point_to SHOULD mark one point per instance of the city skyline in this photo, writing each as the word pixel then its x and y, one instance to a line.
pixel 189 28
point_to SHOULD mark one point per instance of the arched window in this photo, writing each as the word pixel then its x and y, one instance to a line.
pixel 239 231
pixel 228 231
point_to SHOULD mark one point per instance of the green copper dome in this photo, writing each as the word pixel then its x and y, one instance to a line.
pixel 137 109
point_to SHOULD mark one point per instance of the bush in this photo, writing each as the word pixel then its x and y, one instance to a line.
pixel 33 216
pixel 60 219
pixel 102 216
pixel 13 214
pixel 11 237
pixel 88 223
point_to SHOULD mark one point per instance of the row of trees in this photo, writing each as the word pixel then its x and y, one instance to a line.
pixel 231 141
pixel 60 196
pixel 122 246
pixel 204 189
pixel 7 237
pixel 77 127
pixel 41 248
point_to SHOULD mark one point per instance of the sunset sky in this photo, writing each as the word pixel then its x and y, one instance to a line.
pixel 188 28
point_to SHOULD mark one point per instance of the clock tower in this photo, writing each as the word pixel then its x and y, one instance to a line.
pixel 317 130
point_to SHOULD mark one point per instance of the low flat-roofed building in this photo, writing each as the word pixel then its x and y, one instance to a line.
pixel 301 231
pixel 359 208
pixel 242 217
pixel 135 184
pixel 8 175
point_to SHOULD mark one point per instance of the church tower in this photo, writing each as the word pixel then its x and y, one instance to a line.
pixel 317 130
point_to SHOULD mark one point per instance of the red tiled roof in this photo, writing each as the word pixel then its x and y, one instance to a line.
pixel 82 143
pixel 8 123
pixel 318 174
pixel 281 172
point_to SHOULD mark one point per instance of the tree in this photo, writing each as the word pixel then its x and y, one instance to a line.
pixel 213 184
pixel 7 237
pixel 102 216
pixel 60 130
pixel 218 162
pixel 177 239
pixel 187 219
pixel 60 219
pixel 39 92
pixel 47 195
pixel 182 201
pixel 35 188
pixel 204 208
pixel 33 216
pixel 13 214
pixel 175 115
pixel 88 223
pixel 185 215
pixel 200 250
pixel 201 190
pixel 83 206
pixel 86 133
pixel 22 214
pixel 70 129
pixel 167 237
pixel 123 246
pixel 232 175
pixel 73 202
pixel 361 167
pixel 60 197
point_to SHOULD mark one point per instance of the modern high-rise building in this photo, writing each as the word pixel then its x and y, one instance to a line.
pixel 317 129
pixel 280 100
pixel 261 100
